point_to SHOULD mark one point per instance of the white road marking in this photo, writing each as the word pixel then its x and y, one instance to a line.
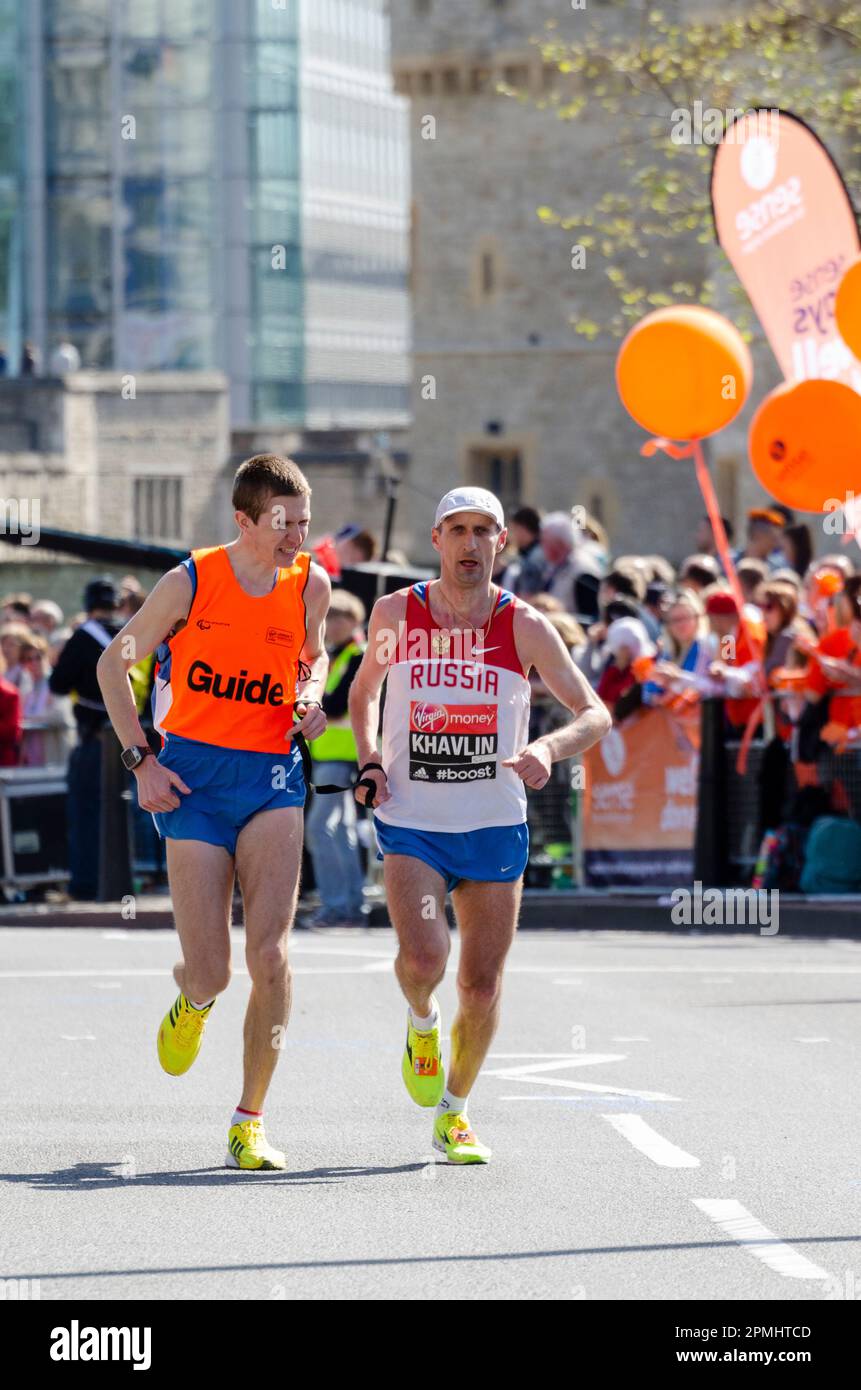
pixel 635 1037
pixel 166 971
pixel 530 1072
pixel 536 1098
pixel 590 1086
pixel 812 1040
pixel 570 1059
pixel 78 974
pixel 503 1055
pixel 83 1037
pixel 649 1142
pixel 682 970
pixel 744 1227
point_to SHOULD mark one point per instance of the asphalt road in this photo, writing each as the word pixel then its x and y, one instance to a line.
pixel 671 1118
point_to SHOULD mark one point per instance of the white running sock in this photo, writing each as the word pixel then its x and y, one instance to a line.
pixel 199 1007
pixel 425 1024
pixel 454 1105
pixel 240 1116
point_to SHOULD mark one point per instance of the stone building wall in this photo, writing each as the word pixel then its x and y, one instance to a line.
pixel 498 370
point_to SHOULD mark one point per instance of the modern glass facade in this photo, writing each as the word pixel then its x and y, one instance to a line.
pixel 275 322
pixel 355 200
pixel 129 142
pixel 12 102
pixel 216 183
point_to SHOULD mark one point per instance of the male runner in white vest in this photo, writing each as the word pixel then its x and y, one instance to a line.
pixel 451 790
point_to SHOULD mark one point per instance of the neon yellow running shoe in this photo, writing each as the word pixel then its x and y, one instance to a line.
pixel 247 1148
pixel 453 1137
pixel 180 1036
pixel 421 1066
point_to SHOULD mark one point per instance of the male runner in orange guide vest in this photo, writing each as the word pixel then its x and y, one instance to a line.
pixel 450 787
pixel 246 649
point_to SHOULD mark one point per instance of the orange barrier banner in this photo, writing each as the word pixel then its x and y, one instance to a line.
pixel 784 218
pixel 640 802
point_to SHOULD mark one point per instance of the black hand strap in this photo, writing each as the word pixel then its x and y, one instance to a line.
pixel 366 782
pixel 329 788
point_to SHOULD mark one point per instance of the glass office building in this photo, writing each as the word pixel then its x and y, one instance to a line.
pixel 12 214
pixel 213 183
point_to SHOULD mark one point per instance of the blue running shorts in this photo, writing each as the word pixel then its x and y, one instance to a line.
pixel 228 787
pixel 497 854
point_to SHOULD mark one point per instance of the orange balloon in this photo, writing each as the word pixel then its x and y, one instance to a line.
pixel 805 443
pixel 642 667
pixel 847 308
pixel 684 372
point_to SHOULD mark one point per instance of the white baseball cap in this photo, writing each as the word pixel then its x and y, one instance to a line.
pixel 470 499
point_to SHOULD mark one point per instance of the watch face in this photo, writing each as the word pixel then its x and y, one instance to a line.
pixel 131 757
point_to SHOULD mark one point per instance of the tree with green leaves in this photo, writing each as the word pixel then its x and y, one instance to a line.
pixel 657 75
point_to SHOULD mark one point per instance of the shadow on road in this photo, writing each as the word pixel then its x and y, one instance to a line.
pixel 503 1256
pixel 88 1177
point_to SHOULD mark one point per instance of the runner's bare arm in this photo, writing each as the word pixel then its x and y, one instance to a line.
pixel 318 594
pixel 168 604
pixel 539 645
pixel 383 629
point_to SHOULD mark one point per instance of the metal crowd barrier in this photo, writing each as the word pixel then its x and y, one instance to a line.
pixel 554 816
pixel 837 773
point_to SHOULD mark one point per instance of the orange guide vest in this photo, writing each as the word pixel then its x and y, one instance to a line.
pixel 234 665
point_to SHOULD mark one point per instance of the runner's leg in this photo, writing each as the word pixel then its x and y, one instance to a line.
pixel 416 900
pixel 486 919
pixel 201 885
pixel 268 860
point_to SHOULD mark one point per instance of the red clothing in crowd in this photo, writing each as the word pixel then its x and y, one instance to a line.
pixel 738 712
pixel 10 724
pixel 843 709
pixel 614 683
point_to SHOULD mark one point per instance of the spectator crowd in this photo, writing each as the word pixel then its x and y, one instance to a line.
pixel 646 634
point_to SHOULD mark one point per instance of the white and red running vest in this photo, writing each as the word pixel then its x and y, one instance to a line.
pixel 454 710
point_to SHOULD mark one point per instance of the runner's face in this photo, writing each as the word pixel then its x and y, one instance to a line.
pixel 468 543
pixel 281 530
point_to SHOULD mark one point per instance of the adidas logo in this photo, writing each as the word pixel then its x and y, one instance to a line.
pixel 420 773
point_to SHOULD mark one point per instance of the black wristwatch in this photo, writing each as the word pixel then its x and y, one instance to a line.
pixel 134 756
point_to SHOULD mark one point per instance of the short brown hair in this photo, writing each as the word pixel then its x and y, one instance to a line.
pixel 263 477
pixel 365 542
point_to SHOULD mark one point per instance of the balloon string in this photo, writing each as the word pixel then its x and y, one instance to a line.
pixel 694 447
pixel 704 478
